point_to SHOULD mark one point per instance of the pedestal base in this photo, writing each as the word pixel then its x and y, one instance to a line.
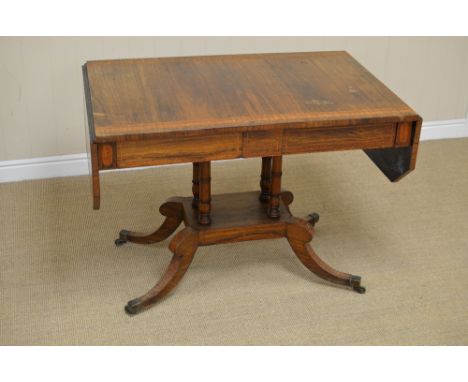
pixel 234 217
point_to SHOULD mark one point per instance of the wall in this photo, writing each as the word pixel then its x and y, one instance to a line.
pixel 41 98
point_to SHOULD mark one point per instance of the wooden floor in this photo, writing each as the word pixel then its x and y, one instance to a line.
pixel 63 281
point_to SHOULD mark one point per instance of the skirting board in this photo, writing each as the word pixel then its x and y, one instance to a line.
pixel 452 128
pixel 77 164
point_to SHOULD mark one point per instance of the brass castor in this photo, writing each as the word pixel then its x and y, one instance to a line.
pixel 313 218
pixel 122 238
pixel 360 289
pixel 132 306
pixel 355 282
pixel 119 242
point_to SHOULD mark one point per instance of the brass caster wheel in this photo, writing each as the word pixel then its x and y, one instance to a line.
pixel 355 283
pixel 119 242
pixel 313 218
pixel 122 238
pixel 133 307
pixel 360 289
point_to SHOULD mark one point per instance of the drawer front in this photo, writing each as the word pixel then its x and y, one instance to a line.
pixel 262 143
pixel 178 150
pixel 359 137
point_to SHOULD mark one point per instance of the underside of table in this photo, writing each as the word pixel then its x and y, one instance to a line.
pixel 231 218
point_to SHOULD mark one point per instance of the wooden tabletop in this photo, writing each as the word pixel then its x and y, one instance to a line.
pixel 146 97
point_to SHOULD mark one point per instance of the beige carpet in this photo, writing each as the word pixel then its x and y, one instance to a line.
pixel 64 282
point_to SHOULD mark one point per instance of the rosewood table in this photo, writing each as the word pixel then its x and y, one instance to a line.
pixel 145 112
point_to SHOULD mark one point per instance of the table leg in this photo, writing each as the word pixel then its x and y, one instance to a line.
pixel 236 217
pixel 265 179
pixel 299 233
pixel 275 188
pixel 246 221
pixel 184 246
pixel 196 184
pixel 204 204
pixel 174 213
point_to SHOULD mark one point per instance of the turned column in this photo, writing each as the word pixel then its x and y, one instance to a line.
pixel 204 204
pixel 196 185
pixel 265 179
pixel 275 188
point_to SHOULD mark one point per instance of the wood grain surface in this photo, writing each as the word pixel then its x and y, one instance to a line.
pixel 143 97
pixel 145 112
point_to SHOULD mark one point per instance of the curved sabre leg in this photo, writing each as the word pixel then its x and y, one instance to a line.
pixel 174 213
pixel 299 233
pixel 184 246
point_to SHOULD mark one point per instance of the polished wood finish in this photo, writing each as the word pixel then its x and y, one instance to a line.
pixel 137 97
pixel 275 187
pixel 234 218
pixel 204 204
pixel 259 143
pixel 183 246
pixel 237 217
pixel 174 216
pixel 397 162
pixel 403 134
pixel 166 150
pixel 106 154
pixel 299 233
pixel 265 179
pixel 357 137
pixel 95 176
pixel 145 112
pixel 196 185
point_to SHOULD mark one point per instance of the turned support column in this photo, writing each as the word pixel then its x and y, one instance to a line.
pixel 265 179
pixel 196 184
pixel 275 188
pixel 204 204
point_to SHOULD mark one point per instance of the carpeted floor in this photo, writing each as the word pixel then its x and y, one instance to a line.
pixel 64 282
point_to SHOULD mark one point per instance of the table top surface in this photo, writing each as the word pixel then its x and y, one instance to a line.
pixel 135 97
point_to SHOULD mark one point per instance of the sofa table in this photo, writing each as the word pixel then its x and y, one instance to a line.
pixel 146 112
